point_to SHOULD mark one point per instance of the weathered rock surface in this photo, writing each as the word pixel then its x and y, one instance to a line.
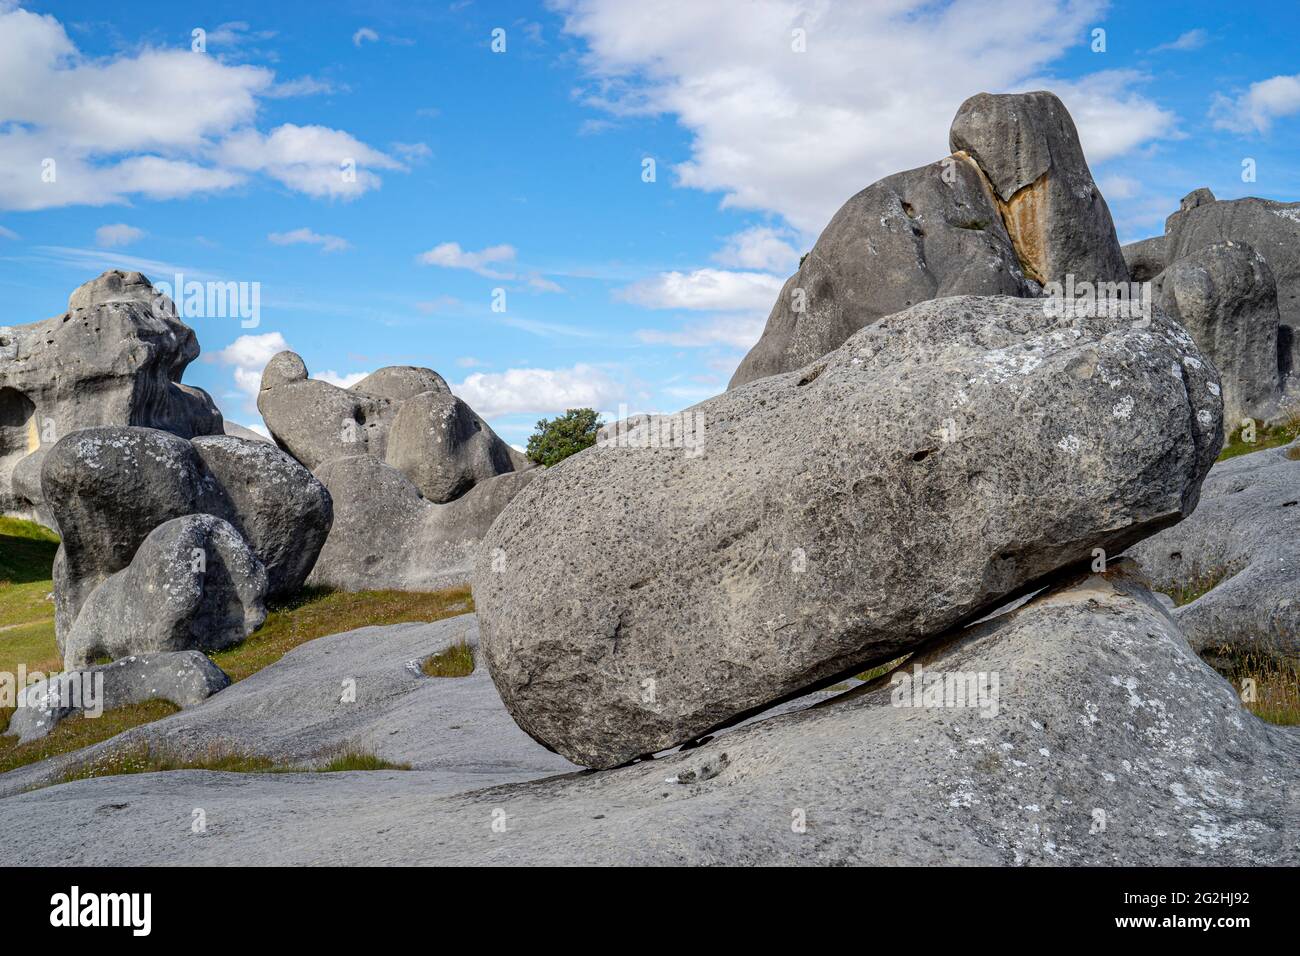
pixel 1271 228
pixel 1246 529
pixel 929 469
pixel 1013 208
pixel 385 535
pixel 1145 259
pixel 283 511
pixel 236 430
pixel 438 442
pixel 1225 296
pixel 1112 744
pixel 114 358
pixel 917 235
pixel 292 713
pixel 183 677
pixel 110 487
pixel 1027 146
pixel 193 583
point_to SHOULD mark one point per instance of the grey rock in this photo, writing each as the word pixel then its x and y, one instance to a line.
pixel 109 488
pixel 114 358
pixel 939 463
pixel 1113 744
pixel 183 677
pixel 911 237
pixel 386 535
pixel 292 713
pixel 282 510
pixel 1027 145
pixel 1224 294
pixel 236 430
pixel 397 383
pixel 1272 229
pixel 438 442
pixel 1246 531
pixel 1145 259
pixel 192 584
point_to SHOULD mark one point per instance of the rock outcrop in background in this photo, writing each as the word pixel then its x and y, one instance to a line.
pixel 1013 207
pixel 940 462
pixel 416 476
pixel 115 357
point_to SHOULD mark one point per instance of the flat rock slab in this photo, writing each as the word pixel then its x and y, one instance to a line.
pixel 1113 744
pixel 292 712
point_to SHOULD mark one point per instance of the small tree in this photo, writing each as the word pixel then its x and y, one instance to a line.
pixel 558 438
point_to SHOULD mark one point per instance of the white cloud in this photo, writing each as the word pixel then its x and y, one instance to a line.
pixel 1119 187
pixel 874 93
pixel 308 237
pixel 341 380
pixel 539 390
pixel 449 255
pixel 260 429
pixel 7 233
pixel 412 152
pixel 1111 117
pixel 1255 109
pixel 737 331
pixel 1186 42
pixel 760 247
pixel 157 123
pixel 118 234
pixel 704 289
pixel 247 356
pixel 364 34
pixel 236 33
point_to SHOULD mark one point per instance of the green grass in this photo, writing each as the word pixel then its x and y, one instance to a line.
pixel 455 661
pixel 1266 436
pixel 1276 687
pixel 144 758
pixel 1200 584
pixel 77 731
pixel 868 676
pixel 26 617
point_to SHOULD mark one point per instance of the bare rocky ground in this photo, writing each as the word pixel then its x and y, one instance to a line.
pixel 1113 743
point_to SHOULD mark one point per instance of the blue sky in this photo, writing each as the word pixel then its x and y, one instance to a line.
pixel 523 170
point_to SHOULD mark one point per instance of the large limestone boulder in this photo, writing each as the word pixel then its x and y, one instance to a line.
pixel 1145 259
pixel 193 583
pixel 1243 545
pixel 185 678
pixel 1100 740
pixel 387 535
pixel 1027 146
pixel 110 488
pixel 917 235
pixel 937 464
pixel 1225 296
pixel 115 357
pixel 1014 207
pixel 1271 228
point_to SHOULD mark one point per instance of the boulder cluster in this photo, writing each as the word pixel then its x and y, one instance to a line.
pixel 415 475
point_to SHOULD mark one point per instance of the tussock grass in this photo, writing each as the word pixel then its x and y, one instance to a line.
pixel 1200 584
pixel 1266 436
pixel 456 661
pixel 78 731
pixel 1269 688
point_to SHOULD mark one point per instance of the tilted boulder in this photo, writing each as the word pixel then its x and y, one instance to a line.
pixel 1243 545
pixel 937 464
pixel 1013 208
pixel 1225 296
pixel 193 583
pixel 114 358
pixel 183 677
pixel 1027 146
pixel 917 235
pixel 109 488
pixel 386 535
pixel 1272 229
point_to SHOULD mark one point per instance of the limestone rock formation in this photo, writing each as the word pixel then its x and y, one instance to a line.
pixel 1243 543
pixel 1013 207
pixel 193 583
pixel 934 466
pixel 115 357
pixel 1226 298
pixel 1113 744
pixel 183 677
pixel 110 488
pixel 386 535
pixel 1145 259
